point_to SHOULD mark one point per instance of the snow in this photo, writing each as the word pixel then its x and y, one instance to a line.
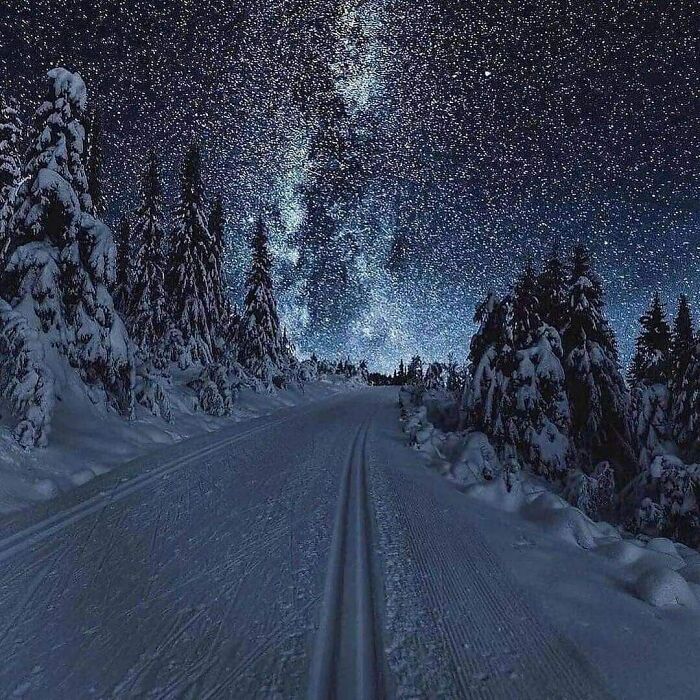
pixel 202 569
pixel 87 441
pixel 662 588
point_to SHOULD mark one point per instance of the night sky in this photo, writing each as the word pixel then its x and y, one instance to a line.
pixel 407 154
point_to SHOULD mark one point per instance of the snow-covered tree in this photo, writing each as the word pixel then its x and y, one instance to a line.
pixel 526 321
pixel 62 259
pixel 598 395
pixel 414 372
pixel 435 376
pixel 10 170
pixel 261 344
pixel 189 283
pixel 681 345
pixel 540 417
pixel 148 306
pixel 686 409
pixel 217 226
pixel 487 403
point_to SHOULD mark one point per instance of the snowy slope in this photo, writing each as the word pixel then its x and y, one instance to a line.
pixel 87 440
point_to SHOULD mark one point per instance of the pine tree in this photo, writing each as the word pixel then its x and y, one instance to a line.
pixel 649 372
pixel 228 316
pixel 122 283
pixel 62 259
pixel 10 171
pixel 598 395
pixel 189 282
pixel 552 288
pixel 686 409
pixel 526 320
pixel 414 373
pixel 147 307
pixel 651 362
pixel 585 307
pixel 539 415
pixel 488 402
pixel 217 226
pixel 93 162
pixel 261 345
pixel 435 376
pixel 681 345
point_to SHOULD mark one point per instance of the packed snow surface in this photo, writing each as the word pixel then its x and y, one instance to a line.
pixel 311 553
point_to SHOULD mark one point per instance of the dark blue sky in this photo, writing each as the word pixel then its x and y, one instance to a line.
pixel 408 155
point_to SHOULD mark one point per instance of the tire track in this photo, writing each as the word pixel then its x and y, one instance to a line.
pixel 345 661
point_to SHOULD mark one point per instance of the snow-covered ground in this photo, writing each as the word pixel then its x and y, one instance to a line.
pixel 311 553
pixel 88 440
pixel 630 604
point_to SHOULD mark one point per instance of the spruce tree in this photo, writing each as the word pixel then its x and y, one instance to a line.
pixel 649 373
pixel 414 373
pixel 10 171
pixel 62 259
pixel 261 345
pixel 651 362
pixel 93 162
pixel 585 307
pixel 681 345
pixel 217 226
pixel 552 288
pixel 686 409
pixel 122 283
pixel 598 395
pixel 487 402
pixel 147 307
pixel 189 282
pixel 526 320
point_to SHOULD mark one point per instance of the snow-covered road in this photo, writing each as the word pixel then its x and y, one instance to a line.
pixel 303 554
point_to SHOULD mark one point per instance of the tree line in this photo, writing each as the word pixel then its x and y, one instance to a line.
pixel 79 310
pixel 544 382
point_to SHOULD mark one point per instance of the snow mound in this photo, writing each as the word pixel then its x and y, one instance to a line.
pixel 633 553
pixel 691 573
pixel 662 587
pixel 561 520
pixel 496 494
pixel 46 488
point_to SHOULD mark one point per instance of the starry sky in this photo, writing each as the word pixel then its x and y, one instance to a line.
pixel 406 155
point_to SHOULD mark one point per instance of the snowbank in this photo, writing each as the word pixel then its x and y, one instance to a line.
pixel 658 571
pixel 88 440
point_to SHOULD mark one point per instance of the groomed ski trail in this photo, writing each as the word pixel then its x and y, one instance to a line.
pixel 345 661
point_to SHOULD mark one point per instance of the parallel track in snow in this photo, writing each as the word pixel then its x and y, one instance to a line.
pixel 54 524
pixel 345 662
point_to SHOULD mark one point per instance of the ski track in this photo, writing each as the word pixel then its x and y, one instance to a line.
pixel 497 645
pixel 296 558
pixel 344 662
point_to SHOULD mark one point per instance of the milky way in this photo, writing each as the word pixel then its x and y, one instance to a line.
pixel 407 155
